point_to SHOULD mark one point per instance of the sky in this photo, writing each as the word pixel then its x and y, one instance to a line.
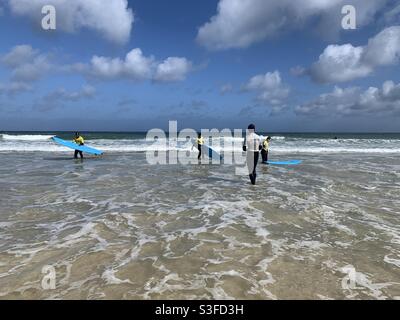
pixel 118 65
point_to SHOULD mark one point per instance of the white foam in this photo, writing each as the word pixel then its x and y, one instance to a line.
pixel 393 261
pixel 41 143
pixel 25 137
pixel 333 150
pixel 110 278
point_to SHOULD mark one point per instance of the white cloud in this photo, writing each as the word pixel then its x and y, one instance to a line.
pixel 240 23
pixel 26 64
pixel 340 63
pixel 136 66
pixel 384 48
pixel 172 69
pixel 113 18
pixel 353 100
pixel 270 88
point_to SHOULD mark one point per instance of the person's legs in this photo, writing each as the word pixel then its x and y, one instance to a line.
pixel 81 154
pixel 76 154
pixel 250 165
pixel 256 157
pixel 199 148
pixel 264 155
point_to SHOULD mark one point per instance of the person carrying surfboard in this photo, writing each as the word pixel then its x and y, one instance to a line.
pixel 252 145
pixel 199 142
pixel 80 142
pixel 264 151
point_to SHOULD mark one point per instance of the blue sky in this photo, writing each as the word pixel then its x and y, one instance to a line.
pixel 133 65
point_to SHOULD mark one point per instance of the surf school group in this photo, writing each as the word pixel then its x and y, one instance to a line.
pixel 253 145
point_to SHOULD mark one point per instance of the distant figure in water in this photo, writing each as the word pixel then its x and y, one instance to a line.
pixel 199 142
pixel 265 147
pixel 252 145
pixel 335 138
pixel 79 141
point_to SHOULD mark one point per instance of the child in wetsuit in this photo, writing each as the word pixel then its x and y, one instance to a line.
pixel 79 141
pixel 264 150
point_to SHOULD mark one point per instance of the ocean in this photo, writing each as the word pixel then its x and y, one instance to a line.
pixel 117 227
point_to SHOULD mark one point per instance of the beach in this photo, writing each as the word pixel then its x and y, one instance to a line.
pixel 117 227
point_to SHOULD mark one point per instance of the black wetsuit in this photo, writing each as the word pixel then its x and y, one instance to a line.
pixel 252 160
pixel 264 154
pixel 199 147
pixel 76 154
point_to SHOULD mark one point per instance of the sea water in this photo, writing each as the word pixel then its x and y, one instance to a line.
pixel 116 227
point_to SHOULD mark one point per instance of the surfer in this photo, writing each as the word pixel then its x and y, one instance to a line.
pixel 264 151
pixel 252 145
pixel 199 142
pixel 79 141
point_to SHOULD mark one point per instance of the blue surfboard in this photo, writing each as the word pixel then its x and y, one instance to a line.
pixel 74 146
pixel 289 162
pixel 212 154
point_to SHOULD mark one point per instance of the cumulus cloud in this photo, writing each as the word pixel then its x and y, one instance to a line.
pixel 172 69
pixel 384 48
pixel 354 101
pixel 113 18
pixel 136 66
pixel 270 88
pixel 240 23
pixel 340 63
pixel 26 64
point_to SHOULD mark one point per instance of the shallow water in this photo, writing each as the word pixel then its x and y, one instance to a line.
pixel 116 227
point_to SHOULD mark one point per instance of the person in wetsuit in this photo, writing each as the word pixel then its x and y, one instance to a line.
pixel 265 147
pixel 199 142
pixel 79 141
pixel 252 146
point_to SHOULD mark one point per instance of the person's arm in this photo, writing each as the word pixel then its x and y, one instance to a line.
pixel 244 145
pixel 259 143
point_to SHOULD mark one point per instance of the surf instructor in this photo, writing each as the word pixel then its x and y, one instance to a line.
pixel 80 142
pixel 252 145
